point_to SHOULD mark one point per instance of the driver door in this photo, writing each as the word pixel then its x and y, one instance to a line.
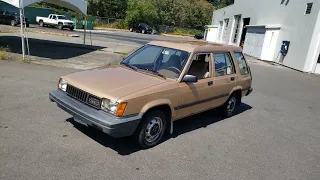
pixel 195 97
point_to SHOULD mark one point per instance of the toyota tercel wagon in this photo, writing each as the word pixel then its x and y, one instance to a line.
pixel 159 83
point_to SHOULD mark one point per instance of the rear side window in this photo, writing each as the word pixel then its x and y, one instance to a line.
pixel 223 64
pixel 242 63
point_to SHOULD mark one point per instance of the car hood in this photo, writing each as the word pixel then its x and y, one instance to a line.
pixel 112 82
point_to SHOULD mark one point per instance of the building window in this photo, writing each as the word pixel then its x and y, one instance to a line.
pixel 226 25
pixel 309 8
pixel 220 29
pixel 236 28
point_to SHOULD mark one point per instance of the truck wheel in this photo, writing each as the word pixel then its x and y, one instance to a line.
pixel 71 29
pixel 230 106
pixel 27 25
pixel 60 26
pixel 151 129
pixel 41 23
pixel 13 23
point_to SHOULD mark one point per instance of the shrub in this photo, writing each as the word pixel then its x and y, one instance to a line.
pixel 119 24
pixel 4 55
pixel 186 32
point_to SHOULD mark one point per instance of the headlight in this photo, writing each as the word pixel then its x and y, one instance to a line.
pixel 63 85
pixel 113 107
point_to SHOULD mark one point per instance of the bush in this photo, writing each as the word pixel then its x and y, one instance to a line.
pixel 186 32
pixel 4 55
pixel 119 24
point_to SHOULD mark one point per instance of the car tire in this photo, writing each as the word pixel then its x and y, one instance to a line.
pixel 131 30
pixel 71 29
pixel 151 129
pixel 143 31
pixel 60 26
pixel 27 25
pixel 230 106
pixel 41 23
pixel 13 23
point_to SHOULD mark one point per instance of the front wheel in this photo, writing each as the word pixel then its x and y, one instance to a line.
pixel 143 31
pixel 151 129
pixel 60 26
pixel 71 29
pixel 230 106
pixel 131 30
pixel 13 23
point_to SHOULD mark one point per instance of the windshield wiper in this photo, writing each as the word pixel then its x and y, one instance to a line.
pixel 154 72
pixel 129 66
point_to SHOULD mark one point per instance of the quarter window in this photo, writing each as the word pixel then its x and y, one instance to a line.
pixel 223 64
pixel 242 63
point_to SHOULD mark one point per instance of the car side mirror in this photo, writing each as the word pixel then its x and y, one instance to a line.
pixel 190 78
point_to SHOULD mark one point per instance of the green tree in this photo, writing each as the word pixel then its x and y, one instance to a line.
pixel 142 11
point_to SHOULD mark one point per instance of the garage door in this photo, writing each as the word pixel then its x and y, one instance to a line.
pixel 254 41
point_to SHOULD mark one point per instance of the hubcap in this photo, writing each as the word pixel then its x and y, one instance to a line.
pixel 153 130
pixel 231 105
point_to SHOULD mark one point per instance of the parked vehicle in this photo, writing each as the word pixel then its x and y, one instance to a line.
pixel 141 28
pixel 55 20
pixel 198 36
pixel 159 83
pixel 12 18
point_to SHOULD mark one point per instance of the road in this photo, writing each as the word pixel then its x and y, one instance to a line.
pixel 118 35
pixel 275 135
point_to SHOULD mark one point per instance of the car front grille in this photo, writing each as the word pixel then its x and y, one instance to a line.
pixel 83 96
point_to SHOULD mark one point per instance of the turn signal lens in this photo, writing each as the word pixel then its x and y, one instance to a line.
pixel 121 108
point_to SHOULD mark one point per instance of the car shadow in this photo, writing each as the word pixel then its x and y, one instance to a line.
pixel 126 146
pixel 53 50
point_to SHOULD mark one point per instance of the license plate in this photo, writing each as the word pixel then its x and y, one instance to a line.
pixel 94 101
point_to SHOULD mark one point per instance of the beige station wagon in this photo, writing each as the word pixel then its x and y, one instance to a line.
pixel 161 82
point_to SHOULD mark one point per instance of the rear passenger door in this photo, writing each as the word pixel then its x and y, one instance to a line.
pixel 224 77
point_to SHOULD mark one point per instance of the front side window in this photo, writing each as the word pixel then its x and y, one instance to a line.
pixel 242 63
pixel 166 61
pixel 223 64
pixel 200 66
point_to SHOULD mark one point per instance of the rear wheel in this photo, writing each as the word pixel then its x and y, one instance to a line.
pixel 27 25
pixel 13 23
pixel 131 30
pixel 143 31
pixel 230 106
pixel 151 129
pixel 41 23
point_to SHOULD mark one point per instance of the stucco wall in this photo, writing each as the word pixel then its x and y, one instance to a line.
pixel 296 27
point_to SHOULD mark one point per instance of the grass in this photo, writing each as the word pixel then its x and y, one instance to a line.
pixel 28 61
pixel 120 24
pixel 4 53
pixel 121 53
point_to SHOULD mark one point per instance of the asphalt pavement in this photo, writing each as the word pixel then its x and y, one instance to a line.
pixel 275 134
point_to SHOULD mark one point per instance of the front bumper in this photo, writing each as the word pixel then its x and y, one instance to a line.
pixel 88 116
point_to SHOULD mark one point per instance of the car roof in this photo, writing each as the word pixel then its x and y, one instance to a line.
pixel 195 46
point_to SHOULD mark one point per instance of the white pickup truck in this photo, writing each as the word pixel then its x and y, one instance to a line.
pixel 55 20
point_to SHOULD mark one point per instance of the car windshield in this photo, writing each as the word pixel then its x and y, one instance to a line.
pixel 144 25
pixel 62 17
pixel 166 62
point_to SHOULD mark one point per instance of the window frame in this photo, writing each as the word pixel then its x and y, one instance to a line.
pixel 236 28
pixel 231 60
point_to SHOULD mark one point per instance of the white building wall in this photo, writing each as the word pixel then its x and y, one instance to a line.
pixel 296 27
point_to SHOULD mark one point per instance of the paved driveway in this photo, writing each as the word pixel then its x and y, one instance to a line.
pixel 275 135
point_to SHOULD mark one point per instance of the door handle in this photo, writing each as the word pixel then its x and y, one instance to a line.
pixel 210 83
pixel 232 78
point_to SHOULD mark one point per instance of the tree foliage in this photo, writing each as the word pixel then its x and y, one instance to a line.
pixel 180 13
